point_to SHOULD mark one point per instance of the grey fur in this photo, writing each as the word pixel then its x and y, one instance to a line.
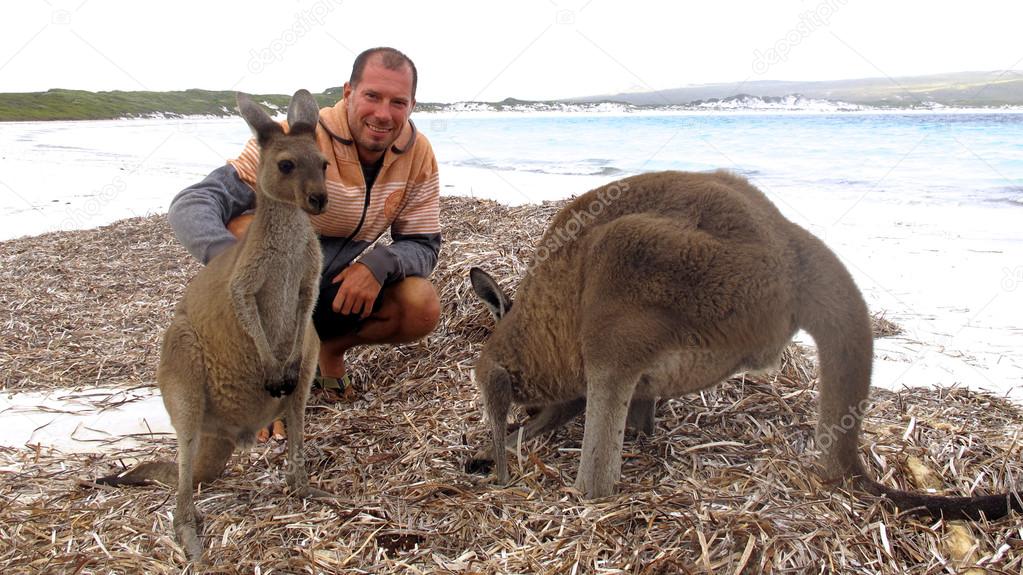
pixel 667 284
pixel 241 349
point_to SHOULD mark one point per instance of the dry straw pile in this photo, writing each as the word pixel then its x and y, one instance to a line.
pixel 724 486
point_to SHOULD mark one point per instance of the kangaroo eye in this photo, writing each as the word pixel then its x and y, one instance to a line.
pixel 325 164
pixel 285 166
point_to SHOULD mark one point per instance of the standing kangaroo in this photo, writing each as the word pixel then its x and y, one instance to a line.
pixel 241 349
pixel 668 283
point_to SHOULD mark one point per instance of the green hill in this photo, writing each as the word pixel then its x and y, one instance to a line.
pixel 82 105
pixel 61 104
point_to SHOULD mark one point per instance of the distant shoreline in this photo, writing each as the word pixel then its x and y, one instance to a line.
pixel 989 91
pixel 437 112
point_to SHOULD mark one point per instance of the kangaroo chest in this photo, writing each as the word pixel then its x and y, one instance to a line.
pixel 278 297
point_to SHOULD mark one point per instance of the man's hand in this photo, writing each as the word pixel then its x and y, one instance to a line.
pixel 359 291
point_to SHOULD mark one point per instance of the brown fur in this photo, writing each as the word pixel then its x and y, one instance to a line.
pixel 241 349
pixel 665 284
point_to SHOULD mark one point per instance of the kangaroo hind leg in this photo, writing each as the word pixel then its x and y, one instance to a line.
pixel 182 380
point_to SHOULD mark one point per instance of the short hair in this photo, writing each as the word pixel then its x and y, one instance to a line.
pixel 391 59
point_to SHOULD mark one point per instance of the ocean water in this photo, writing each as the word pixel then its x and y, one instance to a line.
pixel 912 156
pixel 924 209
pixel 68 175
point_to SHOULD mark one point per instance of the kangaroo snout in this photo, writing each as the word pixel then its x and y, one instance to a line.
pixel 315 203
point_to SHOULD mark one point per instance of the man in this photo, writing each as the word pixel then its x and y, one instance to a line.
pixel 381 174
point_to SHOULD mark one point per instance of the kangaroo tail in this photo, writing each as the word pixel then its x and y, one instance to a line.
pixel 990 506
pixel 832 310
pixel 165 472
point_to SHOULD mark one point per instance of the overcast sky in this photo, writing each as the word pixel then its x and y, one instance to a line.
pixel 532 49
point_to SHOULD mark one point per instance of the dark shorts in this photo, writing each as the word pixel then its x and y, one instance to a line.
pixel 330 324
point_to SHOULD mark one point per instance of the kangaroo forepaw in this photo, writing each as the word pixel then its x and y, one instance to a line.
pixel 287 383
pixel 479 464
pixel 282 387
pixel 642 417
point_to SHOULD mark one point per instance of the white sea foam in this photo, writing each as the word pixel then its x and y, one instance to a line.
pixel 792 102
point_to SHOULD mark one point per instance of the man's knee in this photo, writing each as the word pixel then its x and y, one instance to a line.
pixel 420 306
pixel 239 225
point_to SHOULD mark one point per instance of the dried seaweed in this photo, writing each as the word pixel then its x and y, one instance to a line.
pixel 725 485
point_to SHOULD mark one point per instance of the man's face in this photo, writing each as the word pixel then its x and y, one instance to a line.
pixel 378 108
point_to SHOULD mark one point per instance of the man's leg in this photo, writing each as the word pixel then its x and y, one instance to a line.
pixel 409 310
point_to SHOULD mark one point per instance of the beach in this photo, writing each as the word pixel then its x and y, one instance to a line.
pixel 91 272
pixel 926 220
pixel 949 276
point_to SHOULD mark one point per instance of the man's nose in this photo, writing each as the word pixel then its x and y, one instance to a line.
pixel 382 110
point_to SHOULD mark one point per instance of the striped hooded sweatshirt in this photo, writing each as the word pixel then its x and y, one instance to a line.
pixel 404 197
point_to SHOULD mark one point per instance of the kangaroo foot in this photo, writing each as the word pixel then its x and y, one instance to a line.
pixel 593 488
pixel 299 483
pixel 187 530
pixel 310 492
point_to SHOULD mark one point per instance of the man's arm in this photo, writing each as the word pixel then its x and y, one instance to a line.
pixel 415 236
pixel 199 213
pixel 411 255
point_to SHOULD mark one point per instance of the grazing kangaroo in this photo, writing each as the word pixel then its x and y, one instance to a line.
pixel 668 283
pixel 241 349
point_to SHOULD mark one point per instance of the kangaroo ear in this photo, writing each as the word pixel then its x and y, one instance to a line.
pixel 262 125
pixel 303 113
pixel 491 293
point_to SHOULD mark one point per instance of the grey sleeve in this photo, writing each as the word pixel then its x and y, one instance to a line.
pixel 199 213
pixel 408 255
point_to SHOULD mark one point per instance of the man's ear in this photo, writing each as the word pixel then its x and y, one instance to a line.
pixel 347 90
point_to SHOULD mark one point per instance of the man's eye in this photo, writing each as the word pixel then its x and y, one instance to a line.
pixel 285 166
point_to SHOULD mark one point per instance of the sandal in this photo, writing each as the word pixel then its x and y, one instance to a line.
pixel 331 389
